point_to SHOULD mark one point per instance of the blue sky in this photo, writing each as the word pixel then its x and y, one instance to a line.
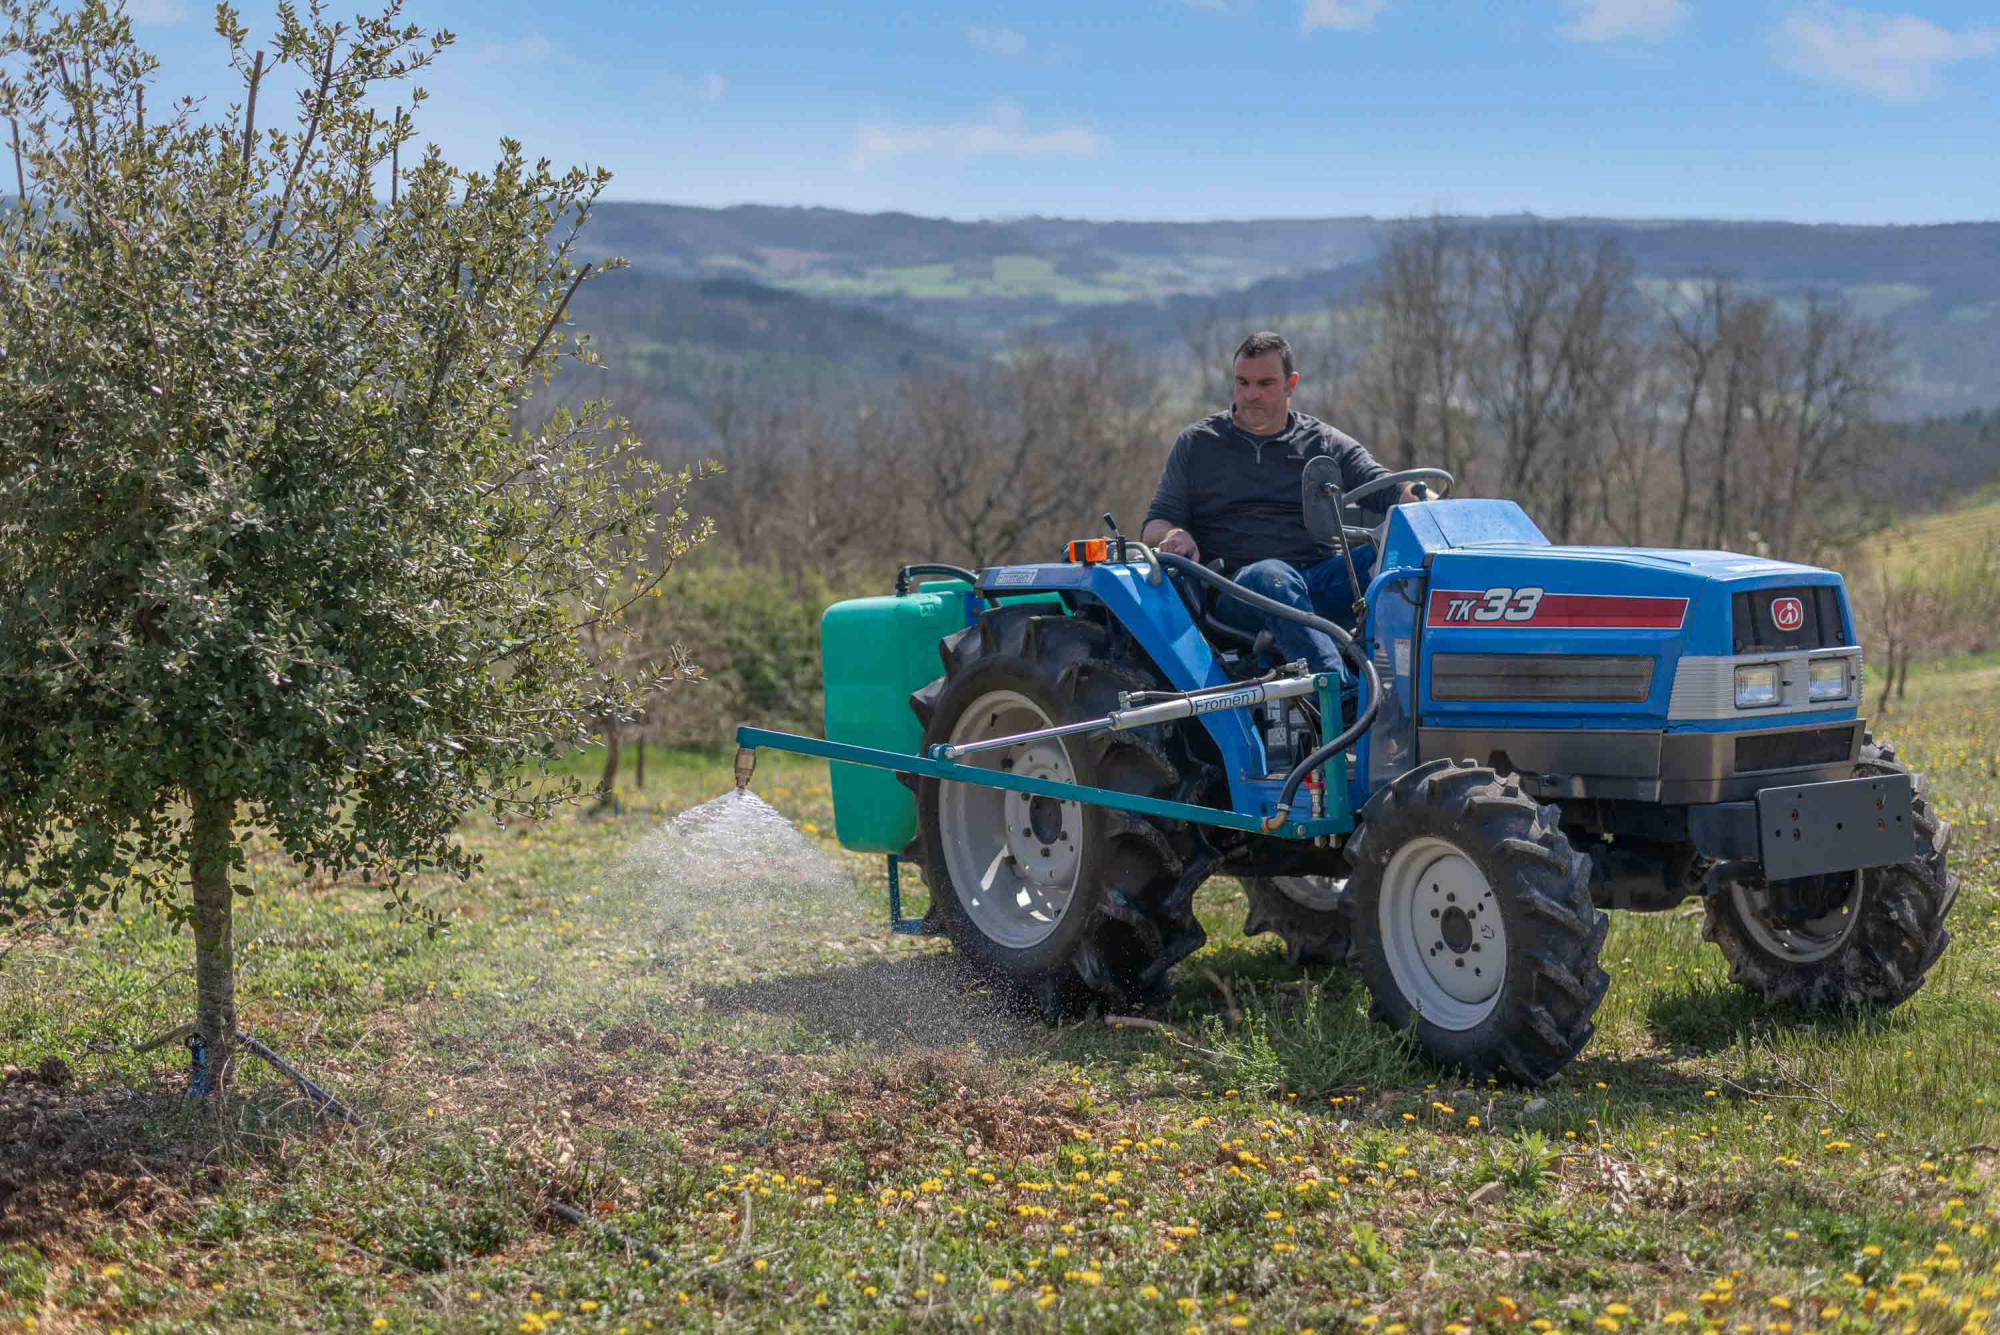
pixel 1193 109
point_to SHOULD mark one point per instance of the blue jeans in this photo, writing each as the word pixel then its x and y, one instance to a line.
pixel 1321 589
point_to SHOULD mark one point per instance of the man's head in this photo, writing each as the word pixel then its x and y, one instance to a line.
pixel 1264 376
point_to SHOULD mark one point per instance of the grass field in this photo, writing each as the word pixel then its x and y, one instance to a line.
pixel 1933 542
pixel 815 1128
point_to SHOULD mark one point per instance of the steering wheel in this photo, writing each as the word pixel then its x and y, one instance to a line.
pixel 1320 483
pixel 1384 483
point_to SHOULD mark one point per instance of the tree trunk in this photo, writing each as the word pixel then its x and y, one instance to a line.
pixel 211 839
pixel 639 765
pixel 610 777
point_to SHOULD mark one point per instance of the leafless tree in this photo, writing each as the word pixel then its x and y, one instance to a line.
pixel 1010 461
pixel 1425 300
pixel 1554 311
pixel 1209 332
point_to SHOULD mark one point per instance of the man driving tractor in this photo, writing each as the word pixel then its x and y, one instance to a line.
pixel 1230 491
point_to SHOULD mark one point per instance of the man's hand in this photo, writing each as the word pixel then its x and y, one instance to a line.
pixel 1409 495
pixel 1164 537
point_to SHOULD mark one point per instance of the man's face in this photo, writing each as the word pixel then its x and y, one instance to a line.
pixel 1263 393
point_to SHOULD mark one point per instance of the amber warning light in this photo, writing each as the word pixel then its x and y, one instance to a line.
pixel 1089 551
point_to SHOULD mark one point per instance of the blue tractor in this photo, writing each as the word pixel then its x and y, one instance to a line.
pixel 1522 736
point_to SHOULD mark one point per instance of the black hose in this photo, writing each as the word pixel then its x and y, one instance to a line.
pixel 931 568
pixel 1342 640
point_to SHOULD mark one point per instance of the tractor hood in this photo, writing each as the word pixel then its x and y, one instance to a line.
pixel 1494 587
pixel 1683 600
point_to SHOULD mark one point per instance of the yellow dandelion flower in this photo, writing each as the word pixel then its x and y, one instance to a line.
pixel 1001 1285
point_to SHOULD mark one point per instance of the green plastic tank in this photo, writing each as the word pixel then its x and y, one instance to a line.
pixel 873 653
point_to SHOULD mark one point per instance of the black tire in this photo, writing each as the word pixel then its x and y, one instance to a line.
pixel 1313 932
pixel 1114 941
pixel 1538 1016
pixel 1897 933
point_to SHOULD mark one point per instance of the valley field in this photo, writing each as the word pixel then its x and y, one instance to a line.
pixel 783 1118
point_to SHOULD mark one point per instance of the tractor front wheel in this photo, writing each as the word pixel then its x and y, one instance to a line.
pixel 1851 939
pixel 1309 914
pixel 1473 922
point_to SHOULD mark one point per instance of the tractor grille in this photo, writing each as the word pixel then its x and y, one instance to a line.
pixel 1590 677
pixel 1756 632
pixel 1790 750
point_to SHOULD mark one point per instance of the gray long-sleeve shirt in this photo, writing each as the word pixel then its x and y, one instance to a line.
pixel 1238 494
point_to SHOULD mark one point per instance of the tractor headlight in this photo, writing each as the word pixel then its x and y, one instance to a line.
pixel 1758 685
pixel 1827 679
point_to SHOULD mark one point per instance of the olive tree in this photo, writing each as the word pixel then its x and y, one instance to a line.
pixel 273 556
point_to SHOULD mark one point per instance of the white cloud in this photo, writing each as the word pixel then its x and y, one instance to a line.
pixel 1213 6
pixel 1347 15
pixel 1000 135
pixel 1624 20
pixel 712 85
pixel 1896 57
pixel 527 49
pixel 1003 43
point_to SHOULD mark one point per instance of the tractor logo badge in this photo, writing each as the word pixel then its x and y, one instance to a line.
pixel 1787 613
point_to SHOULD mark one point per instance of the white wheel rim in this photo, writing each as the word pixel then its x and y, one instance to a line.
pixel 1810 941
pixel 1013 858
pixel 1319 893
pixel 1443 933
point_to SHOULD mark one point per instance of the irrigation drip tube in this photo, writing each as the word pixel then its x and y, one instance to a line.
pixel 1371 694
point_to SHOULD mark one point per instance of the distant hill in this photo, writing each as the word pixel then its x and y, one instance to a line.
pixel 1938 286
pixel 681 340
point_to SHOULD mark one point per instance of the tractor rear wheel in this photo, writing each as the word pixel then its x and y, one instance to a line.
pixel 1473 922
pixel 1057 902
pixel 1855 939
